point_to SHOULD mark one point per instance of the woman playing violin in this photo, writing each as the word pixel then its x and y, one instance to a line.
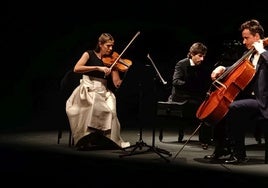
pixel 92 106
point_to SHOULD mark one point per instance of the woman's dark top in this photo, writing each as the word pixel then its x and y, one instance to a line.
pixel 94 61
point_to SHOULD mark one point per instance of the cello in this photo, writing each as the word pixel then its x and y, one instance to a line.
pixel 225 89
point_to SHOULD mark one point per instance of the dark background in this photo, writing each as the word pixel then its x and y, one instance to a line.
pixel 41 41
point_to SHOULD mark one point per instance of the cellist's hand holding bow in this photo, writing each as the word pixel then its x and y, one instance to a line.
pixel 258 45
pixel 217 72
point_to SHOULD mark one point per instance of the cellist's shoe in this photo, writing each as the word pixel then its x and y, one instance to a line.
pixel 217 154
pixel 236 160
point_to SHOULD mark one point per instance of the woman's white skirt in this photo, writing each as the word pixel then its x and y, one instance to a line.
pixel 91 107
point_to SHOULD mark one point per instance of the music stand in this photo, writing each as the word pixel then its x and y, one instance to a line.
pixel 140 144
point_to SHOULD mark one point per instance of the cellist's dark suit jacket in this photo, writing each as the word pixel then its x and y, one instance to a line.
pixel 242 111
pixel 261 84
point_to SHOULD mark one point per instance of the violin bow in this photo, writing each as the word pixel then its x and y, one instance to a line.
pixel 119 56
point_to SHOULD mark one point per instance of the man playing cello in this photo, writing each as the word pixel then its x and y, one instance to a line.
pixel 243 110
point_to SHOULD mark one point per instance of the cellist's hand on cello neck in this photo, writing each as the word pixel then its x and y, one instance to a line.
pixel 258 45
pixel 217 72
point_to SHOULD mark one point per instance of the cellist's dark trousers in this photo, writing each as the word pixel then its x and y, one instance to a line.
pixel 238 120
pixel 221 137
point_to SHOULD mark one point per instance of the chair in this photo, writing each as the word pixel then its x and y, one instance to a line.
pixel 171 110
pixel 68 83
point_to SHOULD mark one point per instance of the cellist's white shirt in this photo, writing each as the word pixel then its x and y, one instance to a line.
pixel 255 59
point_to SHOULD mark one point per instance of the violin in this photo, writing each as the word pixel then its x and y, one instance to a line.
pixel 114 61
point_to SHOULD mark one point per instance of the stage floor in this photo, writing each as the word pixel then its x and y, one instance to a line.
pixel 28 155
